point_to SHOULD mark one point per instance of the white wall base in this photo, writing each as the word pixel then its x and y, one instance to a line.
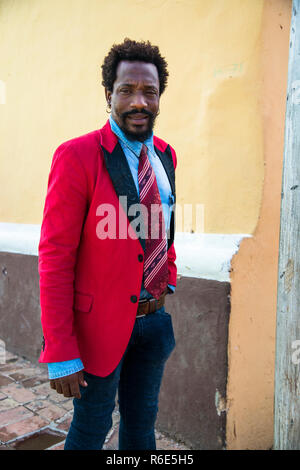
pixel 200 255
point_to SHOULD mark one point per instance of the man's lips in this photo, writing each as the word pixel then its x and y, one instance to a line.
pixel 138 119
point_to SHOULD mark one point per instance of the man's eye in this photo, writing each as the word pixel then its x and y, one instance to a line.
pixel 125 91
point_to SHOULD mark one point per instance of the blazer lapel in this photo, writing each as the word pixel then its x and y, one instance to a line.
pixel 167 161
pixel 121 177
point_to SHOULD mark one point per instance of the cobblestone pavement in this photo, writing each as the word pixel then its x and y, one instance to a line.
pixel 35 417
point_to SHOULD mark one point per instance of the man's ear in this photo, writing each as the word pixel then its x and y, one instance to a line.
pixel 108 96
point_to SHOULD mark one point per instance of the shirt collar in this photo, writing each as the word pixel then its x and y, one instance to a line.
pixel 134 145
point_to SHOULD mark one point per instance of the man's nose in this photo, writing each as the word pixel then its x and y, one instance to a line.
pixel 138 101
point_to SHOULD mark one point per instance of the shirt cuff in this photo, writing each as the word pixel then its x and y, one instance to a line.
pixel 61 369
pixel 172 289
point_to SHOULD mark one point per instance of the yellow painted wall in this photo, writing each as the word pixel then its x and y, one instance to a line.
pixel 223 111
pixel 51 52
pixel 252 327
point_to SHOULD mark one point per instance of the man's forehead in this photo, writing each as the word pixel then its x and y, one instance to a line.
pixel 132 71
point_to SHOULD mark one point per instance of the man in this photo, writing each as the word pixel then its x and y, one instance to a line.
pixel 107 258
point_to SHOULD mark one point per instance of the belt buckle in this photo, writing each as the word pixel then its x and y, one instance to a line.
pixel 152 306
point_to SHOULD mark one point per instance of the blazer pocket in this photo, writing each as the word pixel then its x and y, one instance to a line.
pixel 83 302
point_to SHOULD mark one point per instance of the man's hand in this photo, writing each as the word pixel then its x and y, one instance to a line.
pixel 69 385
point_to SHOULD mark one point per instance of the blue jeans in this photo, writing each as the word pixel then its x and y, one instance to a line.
pixel 137 379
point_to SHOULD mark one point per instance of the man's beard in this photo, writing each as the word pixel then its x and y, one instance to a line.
pixel 140 136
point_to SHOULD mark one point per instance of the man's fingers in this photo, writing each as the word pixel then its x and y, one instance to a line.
pixel 69 385
pixel 65 388
pixel 74 387
pixel 58 386
pixel 81 379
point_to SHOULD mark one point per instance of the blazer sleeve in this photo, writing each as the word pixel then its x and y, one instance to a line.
pixel 63 217
pixel 172 268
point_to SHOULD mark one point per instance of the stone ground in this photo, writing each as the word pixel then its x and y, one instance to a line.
pixel 35 417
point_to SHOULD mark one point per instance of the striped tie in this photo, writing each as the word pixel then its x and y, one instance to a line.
pixel 156 262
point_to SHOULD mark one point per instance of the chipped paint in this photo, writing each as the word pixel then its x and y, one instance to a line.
pixel 220 403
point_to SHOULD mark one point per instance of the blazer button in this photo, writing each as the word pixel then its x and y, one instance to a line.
pixel 140 258
pixel 133 299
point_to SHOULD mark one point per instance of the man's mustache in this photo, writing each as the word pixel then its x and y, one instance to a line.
pixel 135 111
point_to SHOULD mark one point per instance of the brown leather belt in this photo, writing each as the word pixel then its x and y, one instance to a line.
pixel 149 306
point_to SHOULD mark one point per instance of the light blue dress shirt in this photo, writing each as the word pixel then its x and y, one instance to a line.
pixel 132 150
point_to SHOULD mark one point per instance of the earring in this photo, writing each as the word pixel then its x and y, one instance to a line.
pixel 108 106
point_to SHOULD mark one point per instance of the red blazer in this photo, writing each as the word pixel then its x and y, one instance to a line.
pixel 90 287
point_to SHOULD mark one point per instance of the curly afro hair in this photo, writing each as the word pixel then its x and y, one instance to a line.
pixel 130 50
